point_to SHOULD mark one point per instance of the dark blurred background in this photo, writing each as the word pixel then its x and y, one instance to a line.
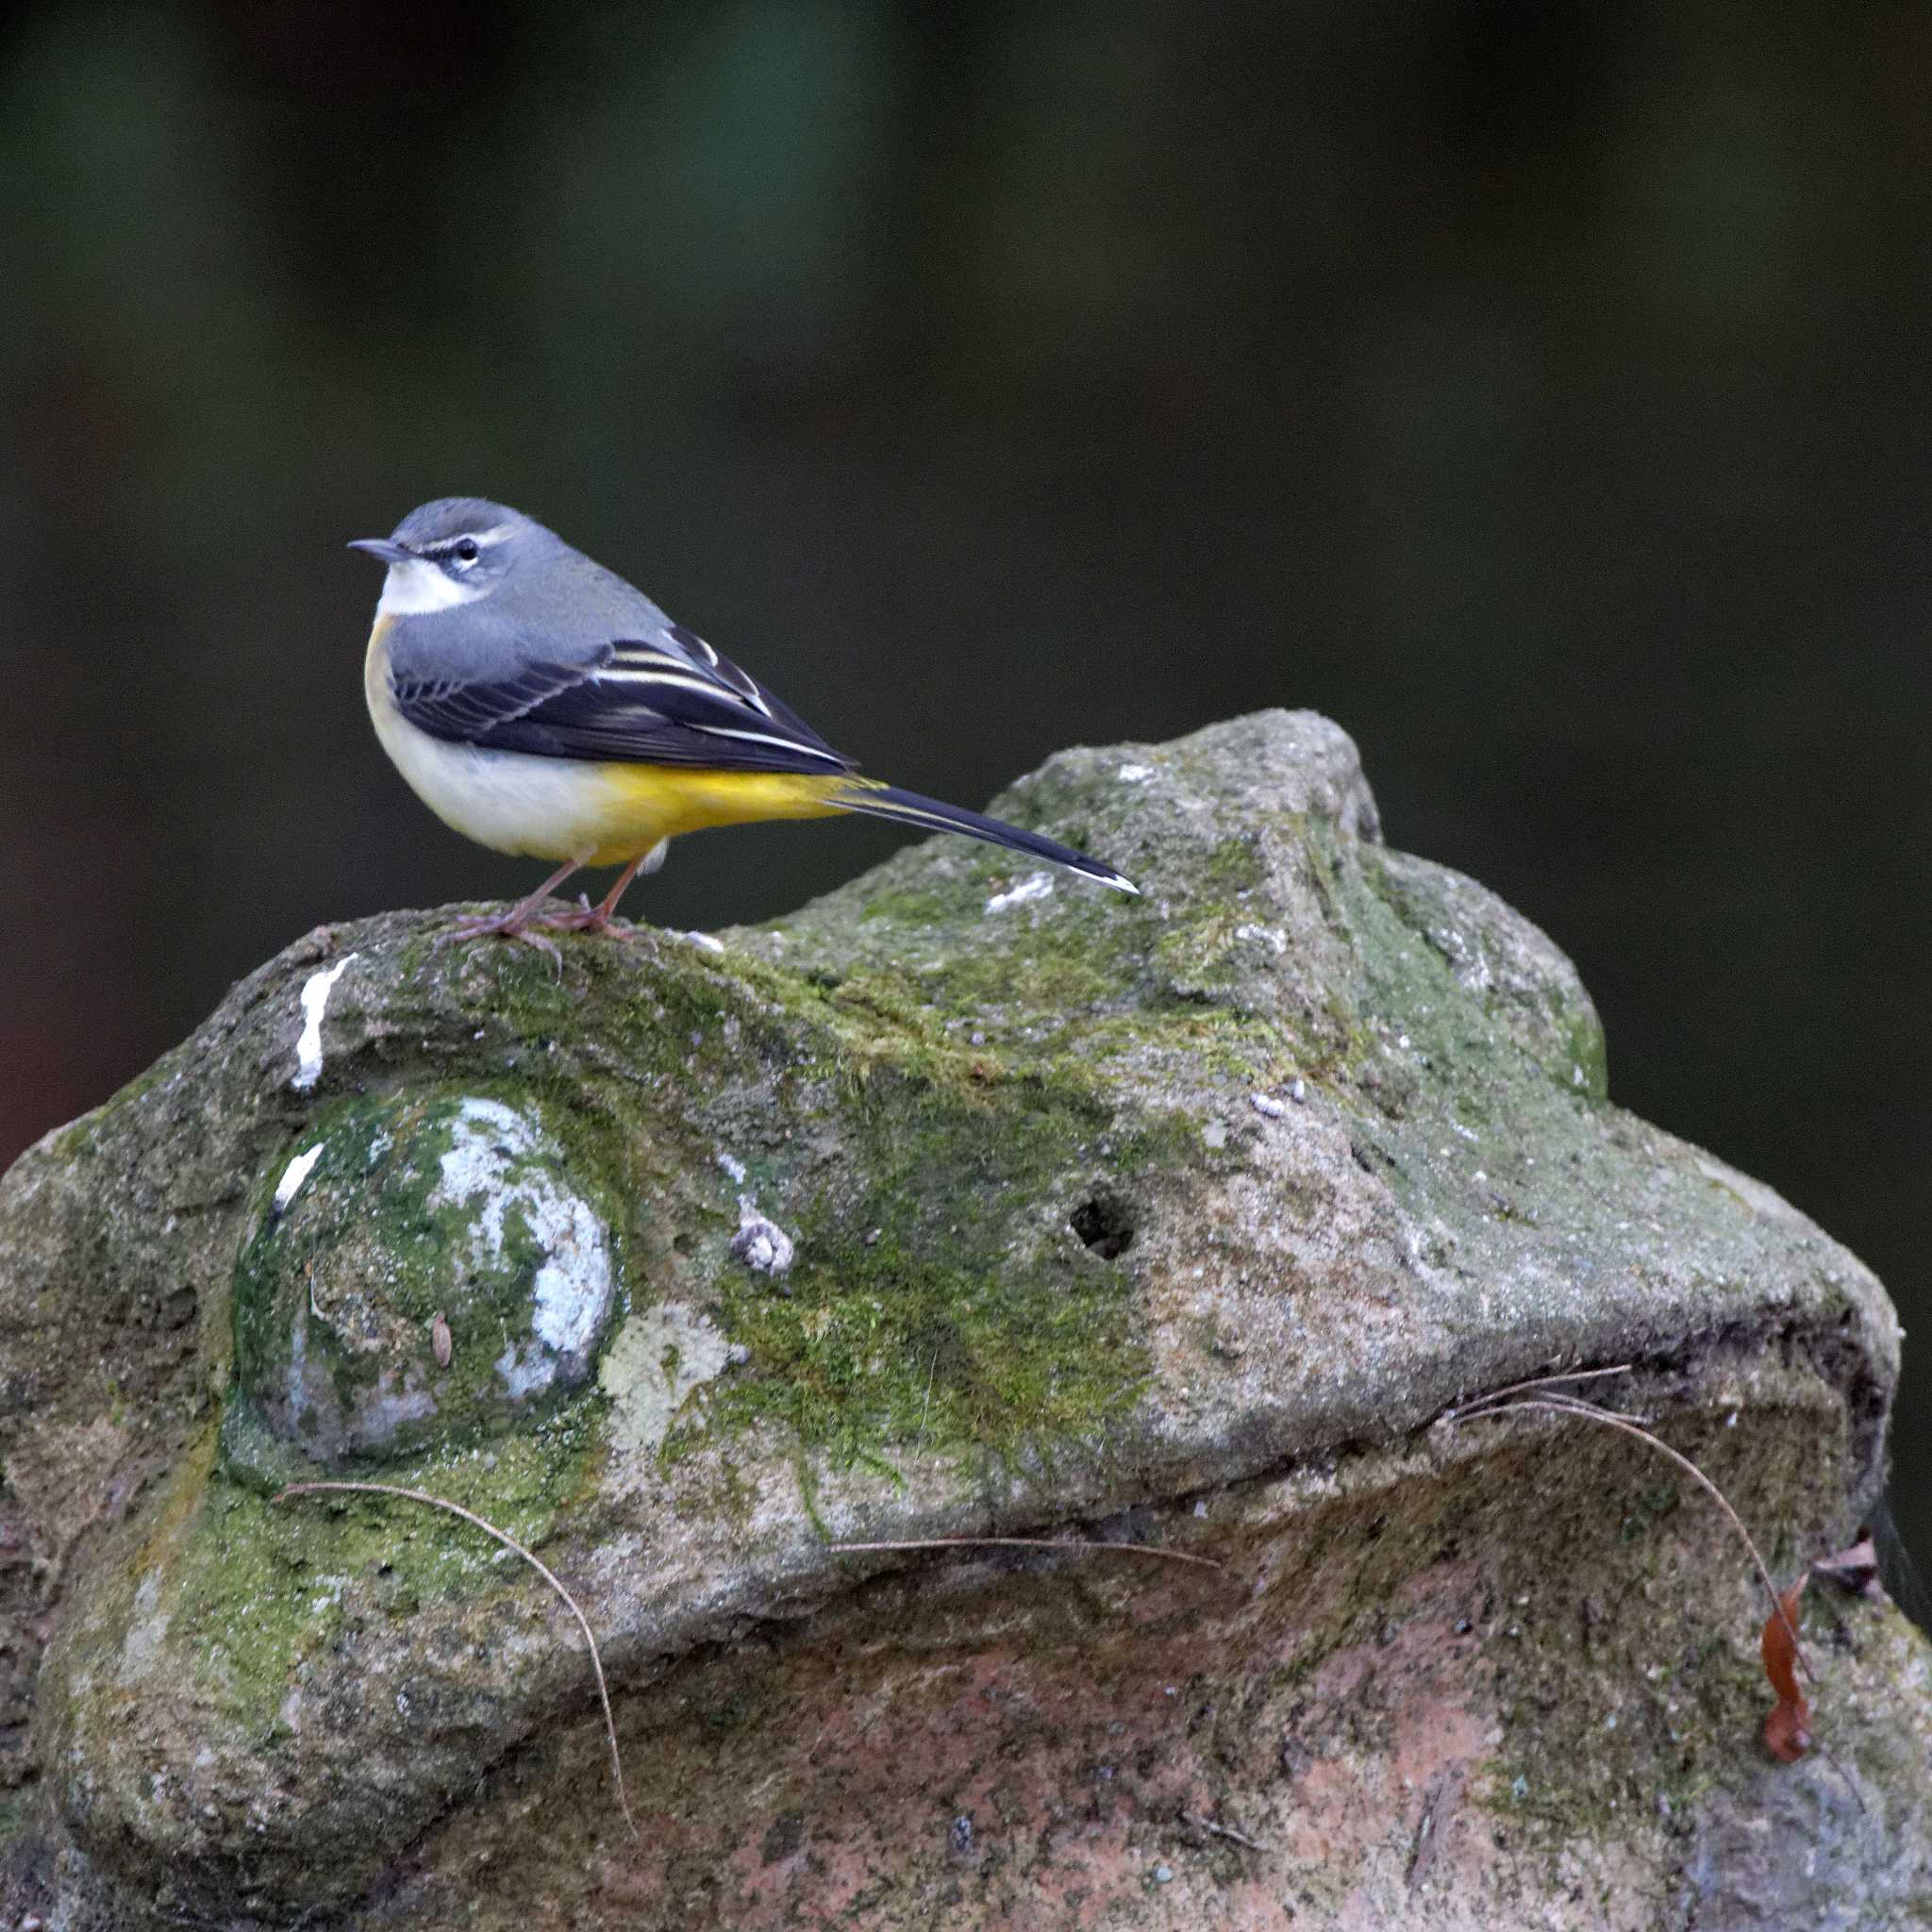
pixel 1543 391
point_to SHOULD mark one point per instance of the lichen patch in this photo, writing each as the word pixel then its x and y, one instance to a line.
pixel 489 1170
pixel 659 1356
pixel 402 1212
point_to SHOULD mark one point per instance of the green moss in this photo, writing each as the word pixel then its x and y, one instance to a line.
pixel 905 1319
pixel 1585 1049
pixel 929 905
pixel 908 1316
pixel 1038 976
pixel 336 1298
pixel 1406 930
pixel 79 1138
pixel 253 1587
pixel 1236 865
pixel 17 1808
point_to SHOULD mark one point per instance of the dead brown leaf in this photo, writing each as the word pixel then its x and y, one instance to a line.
pixel 1788 1729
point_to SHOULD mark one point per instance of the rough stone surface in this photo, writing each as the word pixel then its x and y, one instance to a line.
pixel 424 1267
pixel 1177 1221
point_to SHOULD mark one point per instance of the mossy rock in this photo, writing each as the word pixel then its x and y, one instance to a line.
pixel 966 1201
pixel 426 1269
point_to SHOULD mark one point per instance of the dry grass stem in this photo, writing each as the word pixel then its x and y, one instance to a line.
pixel 1029 1542
pixel 1496 1395
pixel 1208 1824
pixel 536 1564
pixel 1503 1403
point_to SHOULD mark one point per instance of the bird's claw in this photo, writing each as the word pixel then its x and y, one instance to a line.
pixel 543 945
pixel 504 926
pixel 583 917
pixel 586 918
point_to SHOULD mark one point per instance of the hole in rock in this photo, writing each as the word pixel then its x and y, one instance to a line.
pixel 1105 1224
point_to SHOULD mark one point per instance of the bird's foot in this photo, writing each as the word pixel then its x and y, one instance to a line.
pixel 584 917
pixel 514 924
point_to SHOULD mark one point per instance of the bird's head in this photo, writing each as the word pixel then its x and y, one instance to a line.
pixel 453 551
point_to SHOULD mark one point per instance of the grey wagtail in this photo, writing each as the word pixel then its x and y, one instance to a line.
pixel 542 705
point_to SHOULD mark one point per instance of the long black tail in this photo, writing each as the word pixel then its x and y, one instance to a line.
pixel 908 808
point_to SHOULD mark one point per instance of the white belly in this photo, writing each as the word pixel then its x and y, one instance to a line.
pixel 554 808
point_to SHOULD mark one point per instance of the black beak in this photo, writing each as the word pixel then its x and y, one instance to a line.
pixel 384 547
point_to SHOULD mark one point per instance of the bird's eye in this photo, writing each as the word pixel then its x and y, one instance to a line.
pixel 465 550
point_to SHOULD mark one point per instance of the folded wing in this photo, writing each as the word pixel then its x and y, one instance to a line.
pixel 666 700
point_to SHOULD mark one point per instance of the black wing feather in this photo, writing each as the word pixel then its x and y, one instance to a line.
pixel 636 702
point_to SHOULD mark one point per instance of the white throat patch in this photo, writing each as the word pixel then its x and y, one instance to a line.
pixel 414 589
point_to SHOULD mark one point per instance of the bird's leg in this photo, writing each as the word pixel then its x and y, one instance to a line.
pixel 516 923
pixel 598 918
